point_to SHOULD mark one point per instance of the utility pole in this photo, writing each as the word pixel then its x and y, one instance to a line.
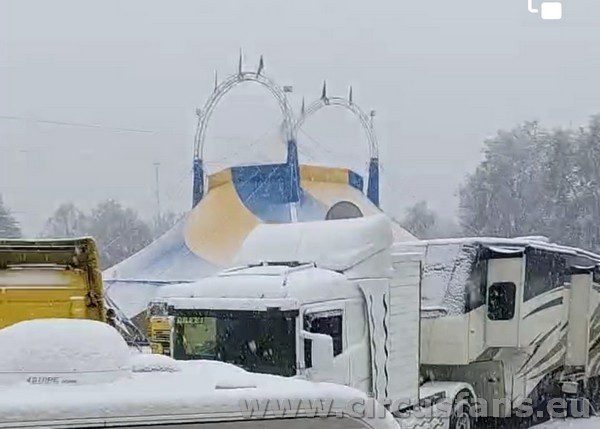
pixel 157 191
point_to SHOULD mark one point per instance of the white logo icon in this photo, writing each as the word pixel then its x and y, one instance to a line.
pixel 551 10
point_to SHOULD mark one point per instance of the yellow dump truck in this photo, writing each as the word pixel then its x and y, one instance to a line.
pixel 53 278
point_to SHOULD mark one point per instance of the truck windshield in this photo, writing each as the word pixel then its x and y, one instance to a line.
pixel 258 341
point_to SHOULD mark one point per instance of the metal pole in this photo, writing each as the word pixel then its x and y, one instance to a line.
pixel 157 190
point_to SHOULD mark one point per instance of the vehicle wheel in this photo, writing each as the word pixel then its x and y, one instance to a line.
pixel 461 416
pixel 593 392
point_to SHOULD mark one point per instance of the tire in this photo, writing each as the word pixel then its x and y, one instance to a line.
pixel 593 392
pixel 461 417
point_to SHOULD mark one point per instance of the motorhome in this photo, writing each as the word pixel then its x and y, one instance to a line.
pixel 330 301
pixel 515 318
pixel 81 374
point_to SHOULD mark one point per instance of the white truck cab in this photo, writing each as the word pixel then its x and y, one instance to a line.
pixel 329 301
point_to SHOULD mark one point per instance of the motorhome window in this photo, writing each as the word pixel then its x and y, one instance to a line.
pixel 476 285
pixel 329 324
pixel 501 301
pixel 258 341
pixel 544 271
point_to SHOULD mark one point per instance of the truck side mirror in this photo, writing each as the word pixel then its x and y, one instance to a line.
pixel 321 347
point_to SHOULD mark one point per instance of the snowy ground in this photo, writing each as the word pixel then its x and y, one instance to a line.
pixel 592 423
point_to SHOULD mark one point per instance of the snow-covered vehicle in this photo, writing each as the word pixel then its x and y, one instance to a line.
pixel 512 322
pixel 331 301
pixel 57 278
pixel 63 373
pixel 45 278
pixel 518 319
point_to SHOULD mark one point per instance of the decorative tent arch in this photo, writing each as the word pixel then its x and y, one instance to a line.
pixel 204 114
pixel 365 120
pixel 290 126
pixel 227 85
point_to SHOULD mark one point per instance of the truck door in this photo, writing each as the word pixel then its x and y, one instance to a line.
pixel 328 319
pixel 503 298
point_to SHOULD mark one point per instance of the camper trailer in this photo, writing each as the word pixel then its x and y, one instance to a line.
pixel 330 301
pixel 517 319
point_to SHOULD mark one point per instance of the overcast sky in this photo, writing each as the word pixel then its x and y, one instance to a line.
pixel 442 76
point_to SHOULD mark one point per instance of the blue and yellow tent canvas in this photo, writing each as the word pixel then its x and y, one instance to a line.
pixel 237 199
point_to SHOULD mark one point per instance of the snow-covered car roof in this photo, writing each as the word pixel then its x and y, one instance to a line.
pixel 199 391
pixel 140 389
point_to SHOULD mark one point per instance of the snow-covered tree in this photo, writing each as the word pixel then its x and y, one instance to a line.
pixel 9 227
pixel 537 182
pixel 587 195
pixel 492 200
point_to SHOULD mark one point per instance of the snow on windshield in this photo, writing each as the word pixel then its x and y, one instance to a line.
pixel 445 273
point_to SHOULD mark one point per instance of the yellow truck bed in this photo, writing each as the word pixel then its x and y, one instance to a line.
pixel 48 279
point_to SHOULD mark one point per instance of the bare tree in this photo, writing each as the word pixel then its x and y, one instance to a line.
pixel 67 221
pixel 419 220
pixel 119 232
pixel 164 222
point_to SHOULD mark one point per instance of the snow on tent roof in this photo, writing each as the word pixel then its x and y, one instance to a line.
pixel 210 235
